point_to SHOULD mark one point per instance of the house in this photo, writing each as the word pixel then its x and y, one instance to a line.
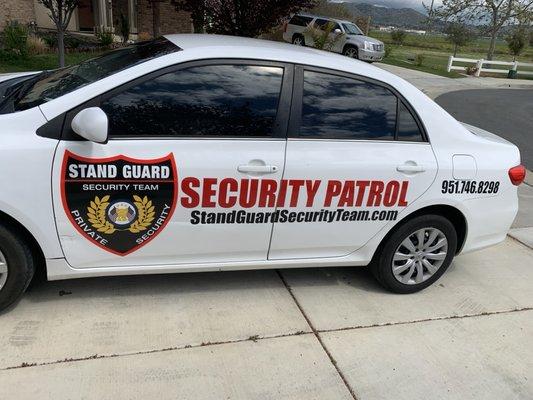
pixel 96 15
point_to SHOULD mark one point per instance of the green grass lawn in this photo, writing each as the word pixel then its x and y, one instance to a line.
pixel 9 63
pixel 436 50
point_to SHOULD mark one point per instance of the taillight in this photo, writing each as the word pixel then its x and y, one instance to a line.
pixel 517 174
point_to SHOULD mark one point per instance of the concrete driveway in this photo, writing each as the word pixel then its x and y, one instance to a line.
pixel 298 334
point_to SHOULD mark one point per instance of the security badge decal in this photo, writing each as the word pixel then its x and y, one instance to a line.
pixel 118 203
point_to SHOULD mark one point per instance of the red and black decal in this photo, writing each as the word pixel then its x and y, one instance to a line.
pixel 119 203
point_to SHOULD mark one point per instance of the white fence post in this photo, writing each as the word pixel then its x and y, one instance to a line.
pixel 515 65
pixel 450 62
pixel 479 65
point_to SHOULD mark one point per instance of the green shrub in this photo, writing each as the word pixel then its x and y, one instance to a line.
pixel 15 38
pixel 398 36
pixel 124 27
pixel 388 51
pixel 419 59
pixel 105 38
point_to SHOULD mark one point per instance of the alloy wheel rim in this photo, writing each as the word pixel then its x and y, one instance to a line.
pixel 3 270
pixel 419 256
pixel 351 53
pixel 297 41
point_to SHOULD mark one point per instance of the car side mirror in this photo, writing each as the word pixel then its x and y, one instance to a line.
pixel 91 124
pixel 337 31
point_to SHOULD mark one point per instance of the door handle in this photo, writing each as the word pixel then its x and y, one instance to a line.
pixel 257 169
pixel 410 168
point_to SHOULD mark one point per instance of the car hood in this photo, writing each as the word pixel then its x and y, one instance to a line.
pixel 361 38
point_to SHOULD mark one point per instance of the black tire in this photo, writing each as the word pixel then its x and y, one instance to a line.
pixel 298 40
pixel 351 51
pixel 382 264
pixel 20 266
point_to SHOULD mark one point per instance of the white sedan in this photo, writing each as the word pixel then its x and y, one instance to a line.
pixel 210 153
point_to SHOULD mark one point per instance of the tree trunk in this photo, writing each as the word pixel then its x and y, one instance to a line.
pixel 492 45
pixel 61 47
pixel 455 50
pixel 156 14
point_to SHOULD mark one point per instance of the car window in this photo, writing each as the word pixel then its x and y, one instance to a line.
pixel 408 129
pixel 51 84
pixel 211 100
pixel 300 20
pixel 336 107
pixel 320 23
pixel 352 29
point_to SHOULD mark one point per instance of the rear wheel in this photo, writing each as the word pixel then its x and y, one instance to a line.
pixel 17 267
pixel 416 254
pixel 298 40
pixel 351 51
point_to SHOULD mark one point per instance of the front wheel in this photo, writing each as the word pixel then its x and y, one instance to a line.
pixel 298 40
pixel 416 254
pixel 351 51
pixel 17 266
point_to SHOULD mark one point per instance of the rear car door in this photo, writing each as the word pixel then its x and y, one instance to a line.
pixel 359 154
pixel 184 143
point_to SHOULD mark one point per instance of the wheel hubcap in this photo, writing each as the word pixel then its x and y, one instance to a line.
pixel 3 270
pixel 298 42
pixel 419 256
pixel 351 53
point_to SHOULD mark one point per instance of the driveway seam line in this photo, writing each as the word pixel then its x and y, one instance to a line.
pixel 254 339
pixel 519 241
pixel 444 318
pixel 154 351
pixel 317 335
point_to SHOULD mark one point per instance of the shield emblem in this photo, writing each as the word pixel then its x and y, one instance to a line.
pixel 119 203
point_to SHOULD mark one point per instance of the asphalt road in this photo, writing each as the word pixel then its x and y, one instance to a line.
pixel 505 112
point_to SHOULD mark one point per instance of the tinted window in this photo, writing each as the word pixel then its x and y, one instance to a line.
pixel 300 20
pixel 407 127
pixel 336 107
pixel 214 100
pixel 320 23
pixel 51 84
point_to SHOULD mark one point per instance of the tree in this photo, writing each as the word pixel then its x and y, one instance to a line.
pixel 494 14
pixel 340 11
pixel 60 12
pixel 516 42
pixel 197 8
pixel 398 36
pixel 458 34
pixel 242 17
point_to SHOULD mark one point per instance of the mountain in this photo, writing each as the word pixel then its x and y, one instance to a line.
pixel 385 16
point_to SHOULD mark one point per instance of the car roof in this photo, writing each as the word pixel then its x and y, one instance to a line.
pixel 344 21
pixel 206 46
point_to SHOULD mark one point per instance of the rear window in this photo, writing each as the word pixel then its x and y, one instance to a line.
pixel 300 20
pixel 52 84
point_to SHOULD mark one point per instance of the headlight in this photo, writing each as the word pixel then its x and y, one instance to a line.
pixel 368 46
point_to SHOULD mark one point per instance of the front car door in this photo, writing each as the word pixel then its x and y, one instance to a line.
pixel 361 156
pixel 187 148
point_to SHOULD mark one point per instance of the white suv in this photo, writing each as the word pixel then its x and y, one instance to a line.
pixel 353 42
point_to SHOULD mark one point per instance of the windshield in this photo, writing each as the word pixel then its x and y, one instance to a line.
pixel 48 85
pixel 352 29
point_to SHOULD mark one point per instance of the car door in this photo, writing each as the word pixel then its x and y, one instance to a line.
pixel 187 147
pixel 361 156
